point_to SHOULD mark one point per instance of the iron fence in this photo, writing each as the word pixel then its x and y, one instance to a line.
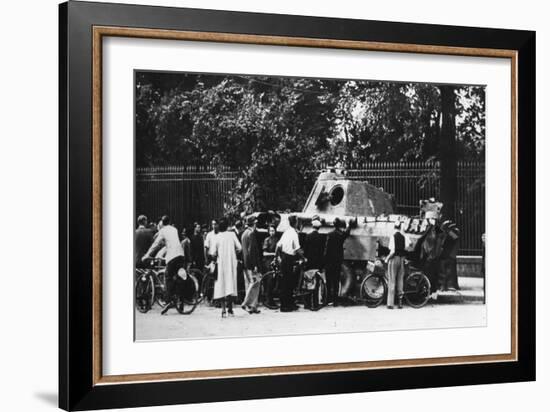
pixel 411 182
pixel 199 193
pixel 186 194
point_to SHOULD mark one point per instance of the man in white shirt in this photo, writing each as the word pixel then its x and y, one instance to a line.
pixel 289 249
pixel 175 260
pixel 209 242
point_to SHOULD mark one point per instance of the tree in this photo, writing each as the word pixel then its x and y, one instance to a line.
pixel 447 151
pixel 277 130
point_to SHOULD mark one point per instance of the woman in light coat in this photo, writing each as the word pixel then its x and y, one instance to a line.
pixel 226 248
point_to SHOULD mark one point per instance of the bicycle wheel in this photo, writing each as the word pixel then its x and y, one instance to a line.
pixel 145 293
pixel 416 289
pixel 160 289
pixel 373 290
pixel 269 287
pixel 188 296
pixel 207 290
pixel 198 275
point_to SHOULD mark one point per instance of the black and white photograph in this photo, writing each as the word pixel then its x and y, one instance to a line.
pixel 274 206
pixel 270 205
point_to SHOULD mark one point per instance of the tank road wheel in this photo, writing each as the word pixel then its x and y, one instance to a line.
pixel 145 293
pixel 416 289
pixel 373 290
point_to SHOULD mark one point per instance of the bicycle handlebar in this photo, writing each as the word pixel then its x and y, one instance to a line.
pixel 153 260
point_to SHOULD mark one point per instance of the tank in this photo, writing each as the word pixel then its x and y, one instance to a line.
pixel 367 208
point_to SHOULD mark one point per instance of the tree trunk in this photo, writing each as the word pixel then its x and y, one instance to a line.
pixel 349 155
pixel 448 153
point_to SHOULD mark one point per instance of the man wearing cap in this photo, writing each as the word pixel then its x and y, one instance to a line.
pixel 314 246
pixel 143 240
pixel 448 278
pixel 396 267
pixel 334 257
pixel 251 262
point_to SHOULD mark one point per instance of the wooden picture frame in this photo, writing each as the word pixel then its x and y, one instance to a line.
pixel 82 27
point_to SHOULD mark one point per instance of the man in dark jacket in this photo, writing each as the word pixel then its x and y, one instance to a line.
pixel 448 278
pixel 314 247
pixel 252 263
pixel 186 246
pixel 197 247
pixel 314 251
pixel 239 229
pixel 396 270
pixel 334 257
pixel 143 240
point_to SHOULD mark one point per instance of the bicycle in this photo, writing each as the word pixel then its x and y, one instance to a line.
pixel 374 288
pixel 199 276
pixel 207 288
pixel 311 286
pixel 150 288
pixel 270 286
pixel 144 290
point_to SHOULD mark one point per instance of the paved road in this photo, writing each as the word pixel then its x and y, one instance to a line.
pixel 207 322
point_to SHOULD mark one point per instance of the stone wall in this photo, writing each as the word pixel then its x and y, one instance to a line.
pixel 469 266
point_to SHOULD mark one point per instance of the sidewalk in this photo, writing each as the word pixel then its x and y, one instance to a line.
pixel 471 291
pixel 206 322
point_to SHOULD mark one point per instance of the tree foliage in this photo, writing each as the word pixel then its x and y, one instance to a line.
pixel 277 130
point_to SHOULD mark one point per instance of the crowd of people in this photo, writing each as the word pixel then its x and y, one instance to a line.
pixel 231 252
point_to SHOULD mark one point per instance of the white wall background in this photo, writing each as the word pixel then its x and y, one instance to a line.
pixel 28 205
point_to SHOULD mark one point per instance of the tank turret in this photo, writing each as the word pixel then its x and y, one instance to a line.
pixel 336 194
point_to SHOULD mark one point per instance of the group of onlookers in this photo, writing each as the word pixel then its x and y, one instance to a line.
pixel 223 248
pixel 219 250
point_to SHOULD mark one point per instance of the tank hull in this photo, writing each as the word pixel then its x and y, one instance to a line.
pixel 369 232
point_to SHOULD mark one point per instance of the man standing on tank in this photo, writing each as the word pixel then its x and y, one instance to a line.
pixel 334 257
